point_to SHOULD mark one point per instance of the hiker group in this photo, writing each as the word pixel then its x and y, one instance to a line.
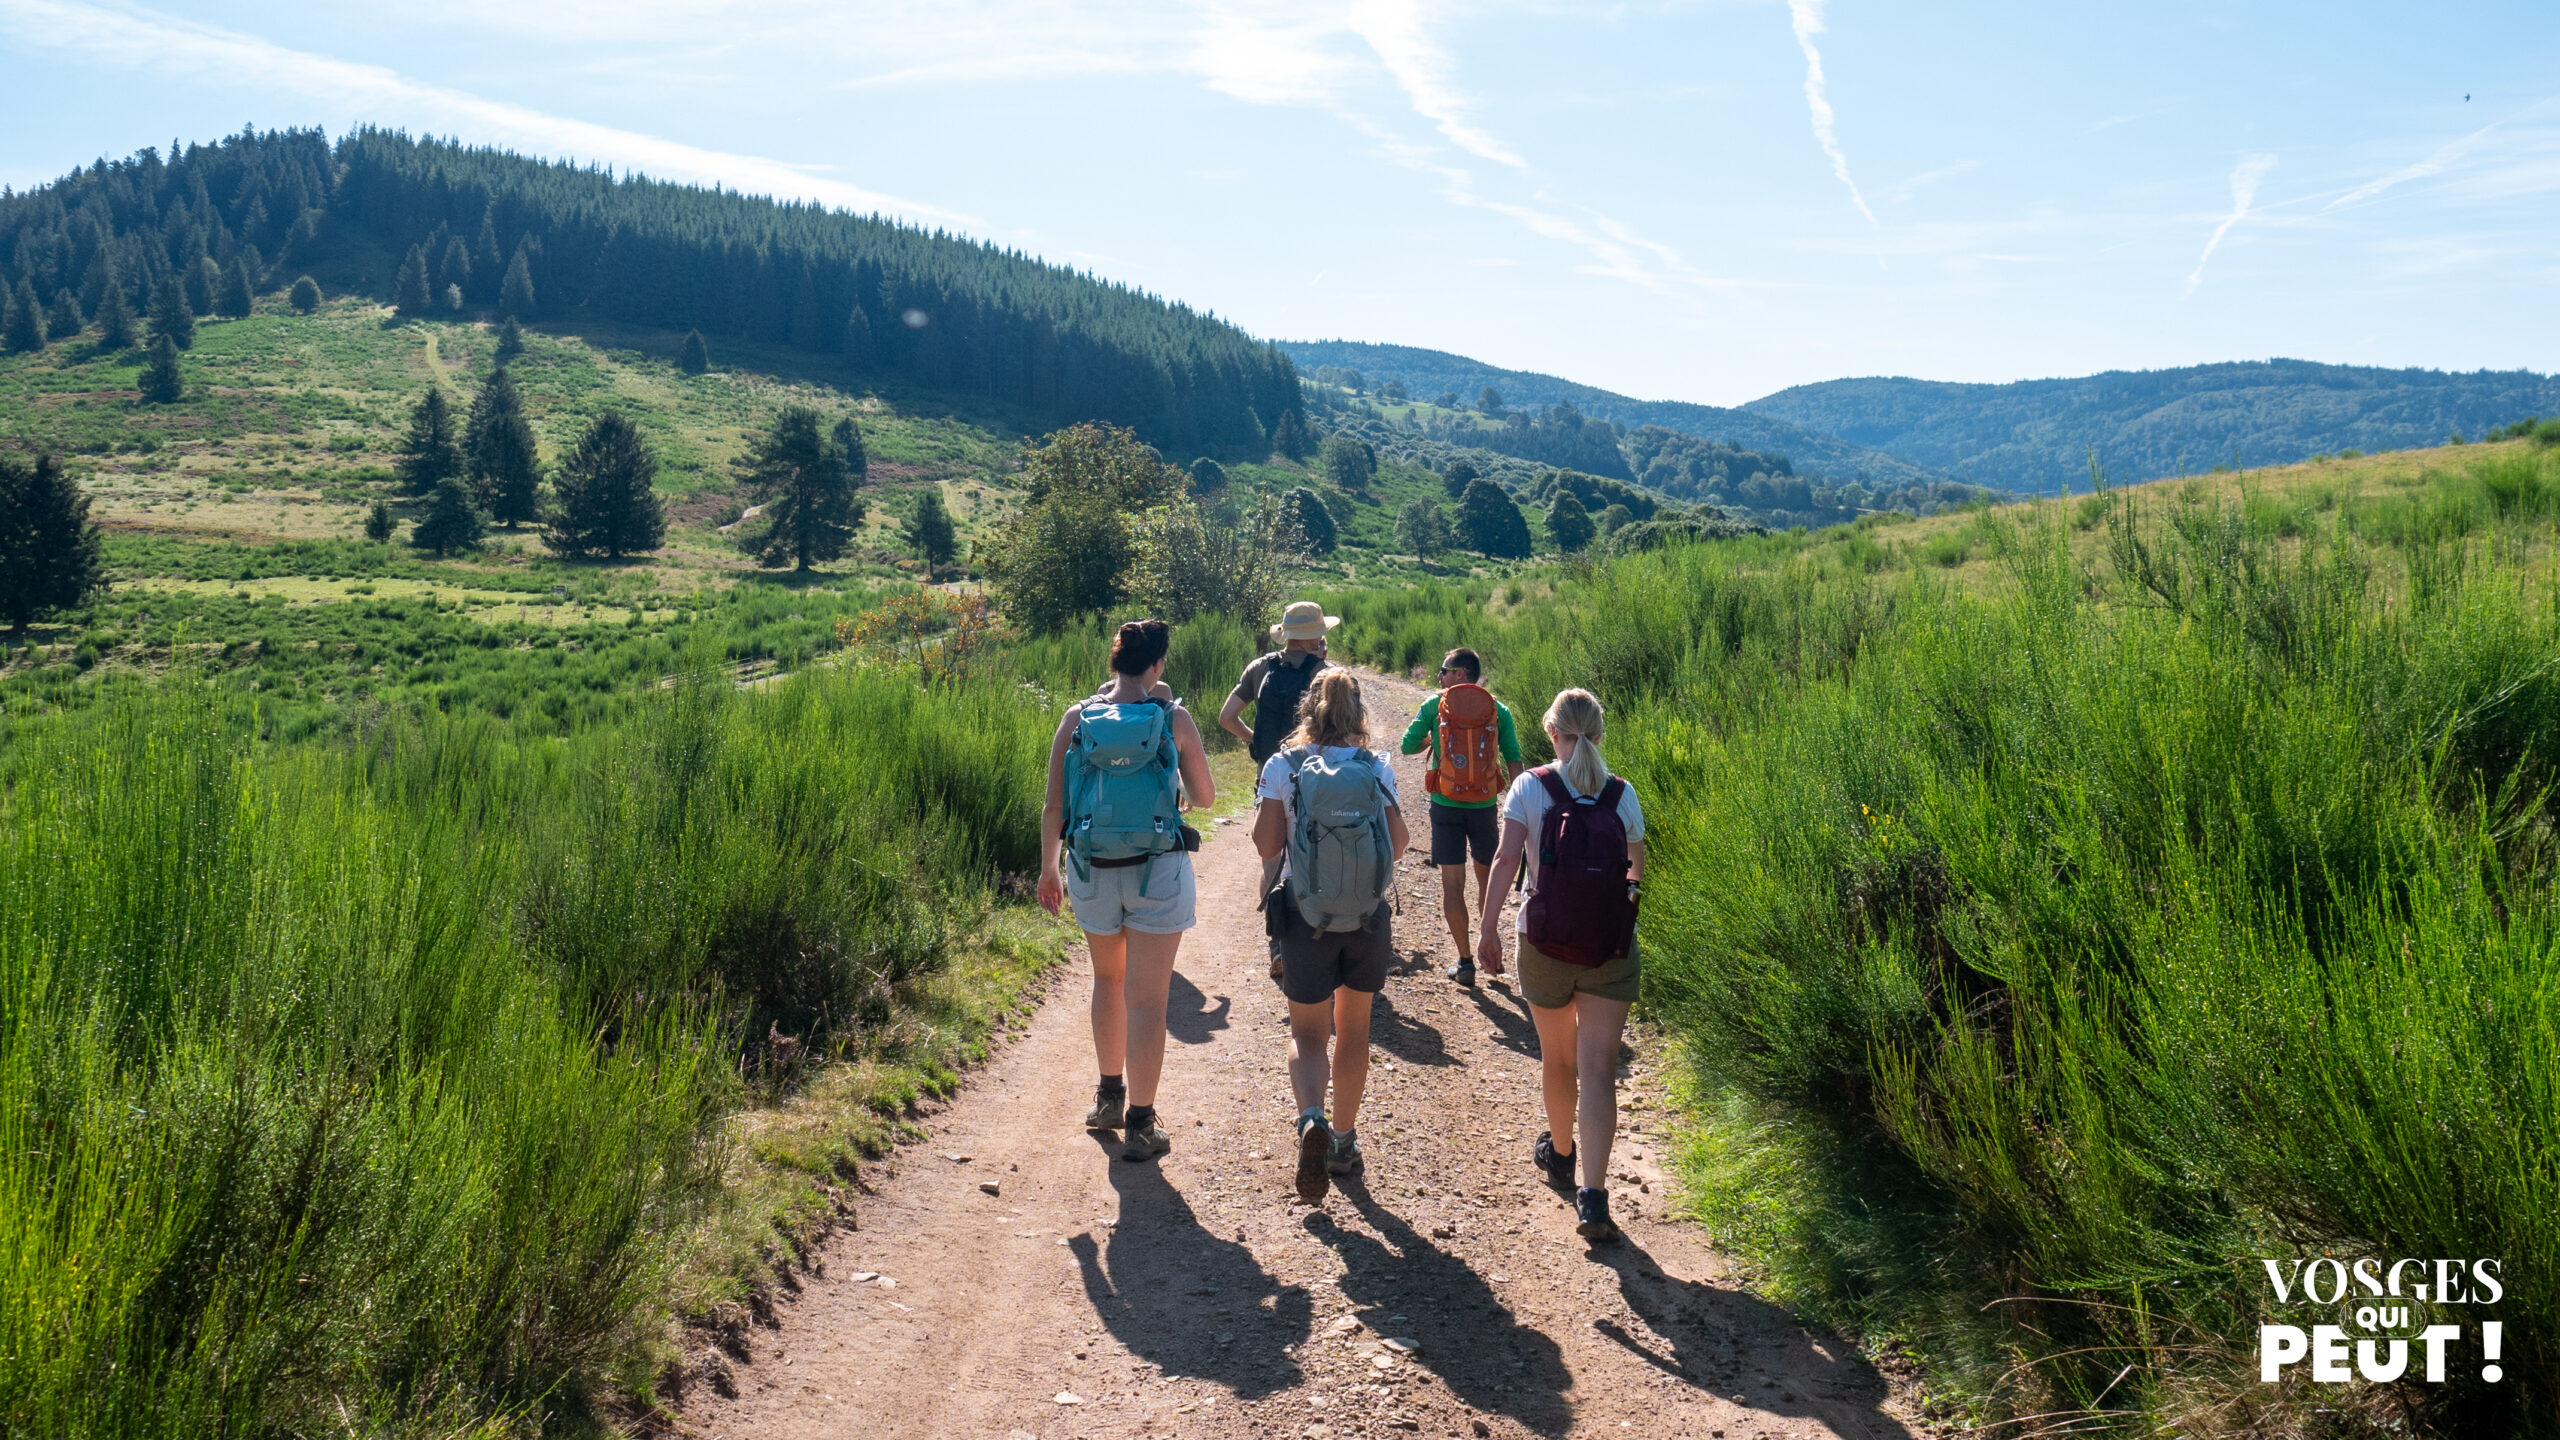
pixel 1329 825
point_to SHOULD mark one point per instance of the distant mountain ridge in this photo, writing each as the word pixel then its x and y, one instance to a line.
pixel 1429 373
pixel 2037 435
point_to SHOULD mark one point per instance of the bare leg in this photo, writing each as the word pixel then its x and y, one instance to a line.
pixel 1485 903
pixel 1350 1055
pixel 1556 1074
pixel 1601 1022
pixel 1453 906
pixel 1310 1068
pixel 1148 988
pixel 1110 1011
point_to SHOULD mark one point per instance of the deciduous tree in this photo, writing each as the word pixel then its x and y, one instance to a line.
pixel 1188 562
pixel 1568 523
pixel 1422 529
pixel 1457 478
pixel 1208 477
pixel 1347 461
pixel 1307 511
pixel 1492 524
pixel 304 297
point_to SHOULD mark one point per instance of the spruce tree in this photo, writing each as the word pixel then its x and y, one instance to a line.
pixel 411 292
pixel 603 501
pixel 857 457
pixel 429 454
pixel 170 317
pixel 1568 522
pixel 858 350
pixel 117 325
pixel 697 355
pixel 378 523
pixel 800 477
pixel 455 271
pixel 1289 437
pixel 50 553
pixel 305 295
pixel 237 298
pixel 63 320
pixel 1492 524
pixel 453 520
pixel 488 263
pixel 161 383
pixel 22 327
pixel 1306 509
pixel 515 296
pixel 498 449
pixel 929 531
pixel 201 279
pixel 510 340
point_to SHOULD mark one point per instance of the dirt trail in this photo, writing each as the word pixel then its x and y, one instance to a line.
pixel 1195 1296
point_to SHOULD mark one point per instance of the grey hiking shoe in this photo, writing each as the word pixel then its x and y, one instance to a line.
pixel 1106 1113
pixel 1315 1149
pixel 1146 1141
pixel 1343 1156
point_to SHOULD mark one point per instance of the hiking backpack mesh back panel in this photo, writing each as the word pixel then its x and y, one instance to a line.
pixel 1120 783
pixel 1275 705
pixel 1468 765
pixel 1580 912
pixel 1338 852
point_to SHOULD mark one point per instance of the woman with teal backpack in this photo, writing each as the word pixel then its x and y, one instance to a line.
pixel 1113 844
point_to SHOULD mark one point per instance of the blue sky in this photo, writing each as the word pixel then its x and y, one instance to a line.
pixel 1703 201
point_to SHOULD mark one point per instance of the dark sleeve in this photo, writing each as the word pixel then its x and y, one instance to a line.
pixel 1249 684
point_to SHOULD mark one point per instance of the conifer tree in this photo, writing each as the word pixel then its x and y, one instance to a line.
pixel 1492 524
pixel 488 263
pixel 453 520
pixel 411 293
pixel 50 553
pixel 858 350
pixel 510 340
pixel 162 383
pixel 515 297
pixel 603 501
pixel 201 278
pixel 1568 522
pixel 22 326
pixel 1306 510
pixel 1289 437
pixel 455 269
pixel 929 531
pixel 378 523
pixel 429 454
pixel 857 457
pixel 63 320
pixel 498 449
pixel 305 295
pixel 697 354
pixel 799 475
pixel 237 299
pixel 170 317
pixel 117 325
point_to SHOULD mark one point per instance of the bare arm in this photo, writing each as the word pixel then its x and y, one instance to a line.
pixel 1200 791
pixel 1397 835
pixel 1270 828
pixel 1053 813
pixel 1635 862
pixel 1506 862
pixel 1231 717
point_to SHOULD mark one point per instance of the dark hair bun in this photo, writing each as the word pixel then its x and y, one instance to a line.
pixel 1140 644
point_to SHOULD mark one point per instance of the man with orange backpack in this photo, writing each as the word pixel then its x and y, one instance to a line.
pixel 1475 753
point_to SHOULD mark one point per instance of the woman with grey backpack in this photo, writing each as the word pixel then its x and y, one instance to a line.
pixel 1114 845
pixel 1328 810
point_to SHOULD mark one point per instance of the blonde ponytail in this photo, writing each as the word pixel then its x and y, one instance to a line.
pixel 1577 713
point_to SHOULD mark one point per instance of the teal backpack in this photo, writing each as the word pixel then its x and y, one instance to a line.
pixel 1121 774
pixel 1339 857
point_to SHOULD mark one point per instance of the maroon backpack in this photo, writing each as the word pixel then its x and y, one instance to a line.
pixel 1581 913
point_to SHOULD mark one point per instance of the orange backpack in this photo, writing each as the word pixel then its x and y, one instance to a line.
pixel 1468 767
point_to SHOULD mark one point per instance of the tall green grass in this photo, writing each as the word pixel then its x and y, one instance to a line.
pixel 2046 954
pixel 371 1087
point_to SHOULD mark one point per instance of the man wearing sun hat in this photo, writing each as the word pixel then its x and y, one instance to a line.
pixel 1272 685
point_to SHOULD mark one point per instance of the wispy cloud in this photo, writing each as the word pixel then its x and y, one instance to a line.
pixel 1807 15
pixel 1906 189
pixel 143 41
pixel 1397 35
pixel 2244 192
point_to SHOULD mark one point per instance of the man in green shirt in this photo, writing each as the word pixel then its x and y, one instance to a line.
pixel 1463 828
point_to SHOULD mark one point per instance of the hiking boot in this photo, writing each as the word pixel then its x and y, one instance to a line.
pixel 1558 1168
pixel 1464 972
pixel 1315 1149
pixel 1107 1111
pixel 1146 1141
pixel 1343 1157
pixel 1592 1207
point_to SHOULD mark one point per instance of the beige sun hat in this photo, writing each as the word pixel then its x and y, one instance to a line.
pixel 1304 620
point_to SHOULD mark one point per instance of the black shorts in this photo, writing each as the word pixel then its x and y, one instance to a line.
pixel 1313 965
pixel 1457 829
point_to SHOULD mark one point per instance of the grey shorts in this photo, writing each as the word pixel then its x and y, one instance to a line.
pixel 1110 901
pixel 1313 965
pixel 1457 830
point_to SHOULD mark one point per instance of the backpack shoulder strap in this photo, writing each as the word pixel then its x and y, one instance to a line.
pixel 1553 783
pixel 1610 793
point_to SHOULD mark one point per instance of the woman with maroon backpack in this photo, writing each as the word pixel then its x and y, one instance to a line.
pixel 1582 834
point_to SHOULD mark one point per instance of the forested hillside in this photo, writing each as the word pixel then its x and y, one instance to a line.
pixel 443 227
pixel 2143 424
pixel 1459 381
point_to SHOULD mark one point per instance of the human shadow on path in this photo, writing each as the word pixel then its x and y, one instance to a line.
pixel 1504 1006
pixel 1408 1038
pixel 1188 1015
pixel 1189 1300
pixel 1469 1338
pixel 1745 1349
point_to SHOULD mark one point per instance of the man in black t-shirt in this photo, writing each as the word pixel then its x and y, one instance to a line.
pixel 1272 685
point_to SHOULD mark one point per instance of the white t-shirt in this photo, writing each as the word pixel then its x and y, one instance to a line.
pixel 1275 776
pixel 1527 801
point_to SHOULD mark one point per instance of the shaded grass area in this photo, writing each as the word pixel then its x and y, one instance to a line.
pixel 2055 936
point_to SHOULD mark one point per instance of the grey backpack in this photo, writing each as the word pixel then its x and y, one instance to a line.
pixel 1339 858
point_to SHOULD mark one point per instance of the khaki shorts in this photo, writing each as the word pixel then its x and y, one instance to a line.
pixel 1551 984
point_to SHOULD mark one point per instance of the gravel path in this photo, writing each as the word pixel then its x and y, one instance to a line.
pixel 1195 1296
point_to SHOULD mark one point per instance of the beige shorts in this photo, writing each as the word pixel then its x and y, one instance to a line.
pixel 1551 984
